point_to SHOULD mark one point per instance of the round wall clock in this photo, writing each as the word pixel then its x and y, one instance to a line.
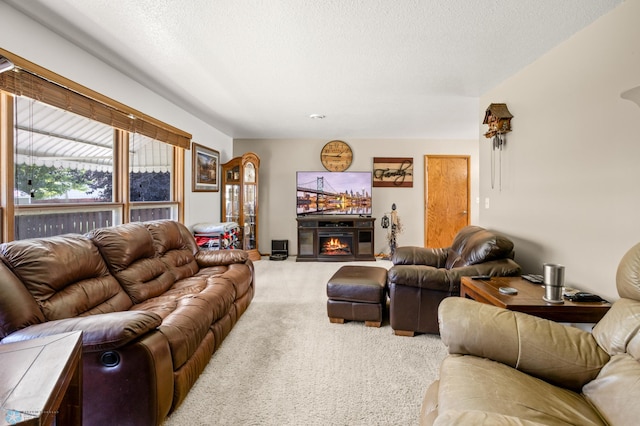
pixel 336 156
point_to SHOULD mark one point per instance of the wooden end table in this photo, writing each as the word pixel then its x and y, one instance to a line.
pixel 41 381
pixel 529 300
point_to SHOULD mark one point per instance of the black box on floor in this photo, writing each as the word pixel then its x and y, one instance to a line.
pixel 279 249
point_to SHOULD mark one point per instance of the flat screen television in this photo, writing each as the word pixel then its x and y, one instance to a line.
pixel 333 193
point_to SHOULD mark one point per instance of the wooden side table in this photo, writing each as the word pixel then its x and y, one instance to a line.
pixel 41 381
pixel 529 300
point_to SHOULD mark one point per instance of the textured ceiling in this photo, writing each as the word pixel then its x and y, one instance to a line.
pixel 375 68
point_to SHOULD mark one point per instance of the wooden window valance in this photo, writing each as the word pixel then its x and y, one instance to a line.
pixel 42 85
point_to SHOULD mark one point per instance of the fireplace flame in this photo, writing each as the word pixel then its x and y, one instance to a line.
pixel 335 246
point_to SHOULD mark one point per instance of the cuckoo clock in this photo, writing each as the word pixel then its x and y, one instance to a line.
pixel 498 118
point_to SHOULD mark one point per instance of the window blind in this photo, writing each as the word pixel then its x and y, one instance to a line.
pixel 56 91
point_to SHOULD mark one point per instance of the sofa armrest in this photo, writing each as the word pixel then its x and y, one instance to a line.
pixel 441 279
pixel 422 276
pixel 99 332
pixel 562 355
pixel 206 258
pixel 410 255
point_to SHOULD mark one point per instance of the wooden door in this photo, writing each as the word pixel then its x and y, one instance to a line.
pixel 446 204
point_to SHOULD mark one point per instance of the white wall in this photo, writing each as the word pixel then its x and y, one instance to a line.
pixel 281 158
pixel 570 176
pixel 26 38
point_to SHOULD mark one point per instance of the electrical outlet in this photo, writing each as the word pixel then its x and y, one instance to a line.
pixel 486 203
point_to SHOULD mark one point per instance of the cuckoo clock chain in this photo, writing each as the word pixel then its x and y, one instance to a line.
pixel 498 117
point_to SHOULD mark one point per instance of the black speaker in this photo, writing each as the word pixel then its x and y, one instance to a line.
pixel 279 249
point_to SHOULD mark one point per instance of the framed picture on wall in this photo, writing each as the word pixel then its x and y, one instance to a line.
pixel 205 169
pixel 394 172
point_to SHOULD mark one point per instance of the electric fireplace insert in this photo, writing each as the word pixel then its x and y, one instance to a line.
pixel 335 243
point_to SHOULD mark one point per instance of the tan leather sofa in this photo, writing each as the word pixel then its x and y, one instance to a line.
pixel 422 277
pixel 509 368
pixel 152 307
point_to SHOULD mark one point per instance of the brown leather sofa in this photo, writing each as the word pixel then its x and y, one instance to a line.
pixel 422 277
pixel 152 307
pixel 509 368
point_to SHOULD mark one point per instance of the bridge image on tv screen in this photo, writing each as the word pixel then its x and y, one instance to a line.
pixel 333 193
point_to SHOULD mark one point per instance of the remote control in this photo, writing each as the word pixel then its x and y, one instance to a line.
pixel 481 277
pixel 583 296
pixel 533 278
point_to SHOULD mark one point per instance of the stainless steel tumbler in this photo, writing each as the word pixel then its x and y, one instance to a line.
pixel 553 275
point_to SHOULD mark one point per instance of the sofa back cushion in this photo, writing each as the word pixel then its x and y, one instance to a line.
pixel 65 275
pixel 473 245
pixel 172 244
pixel 131 257
pixel 18 309
pixel 619 327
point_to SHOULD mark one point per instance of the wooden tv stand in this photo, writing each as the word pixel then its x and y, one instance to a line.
pixel 354 234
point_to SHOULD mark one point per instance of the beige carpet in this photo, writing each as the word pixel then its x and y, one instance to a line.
pixel 284 363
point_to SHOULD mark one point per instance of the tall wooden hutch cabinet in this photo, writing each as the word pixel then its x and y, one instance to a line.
pixel 240 199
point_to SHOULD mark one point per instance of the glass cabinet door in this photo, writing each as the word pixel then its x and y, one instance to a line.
pixel 231 207
pixel 232 200
pixel 250 196
pixel 250 217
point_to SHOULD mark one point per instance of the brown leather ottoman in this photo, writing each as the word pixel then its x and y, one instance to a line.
pixel 357 293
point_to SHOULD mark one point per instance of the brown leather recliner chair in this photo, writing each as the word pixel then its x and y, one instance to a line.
pixel 422 277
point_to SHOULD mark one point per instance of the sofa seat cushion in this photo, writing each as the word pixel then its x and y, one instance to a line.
pixel 240 276
pixel 162 306
pixel 237 274
pixel 186 327
pixel 187 286
pixel 220 294
pixel 469 383
pixel 188 310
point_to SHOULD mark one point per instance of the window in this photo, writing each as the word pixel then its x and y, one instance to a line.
pixel 60 157
pixel 150 165
pixel 150 179
pixel 74 160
